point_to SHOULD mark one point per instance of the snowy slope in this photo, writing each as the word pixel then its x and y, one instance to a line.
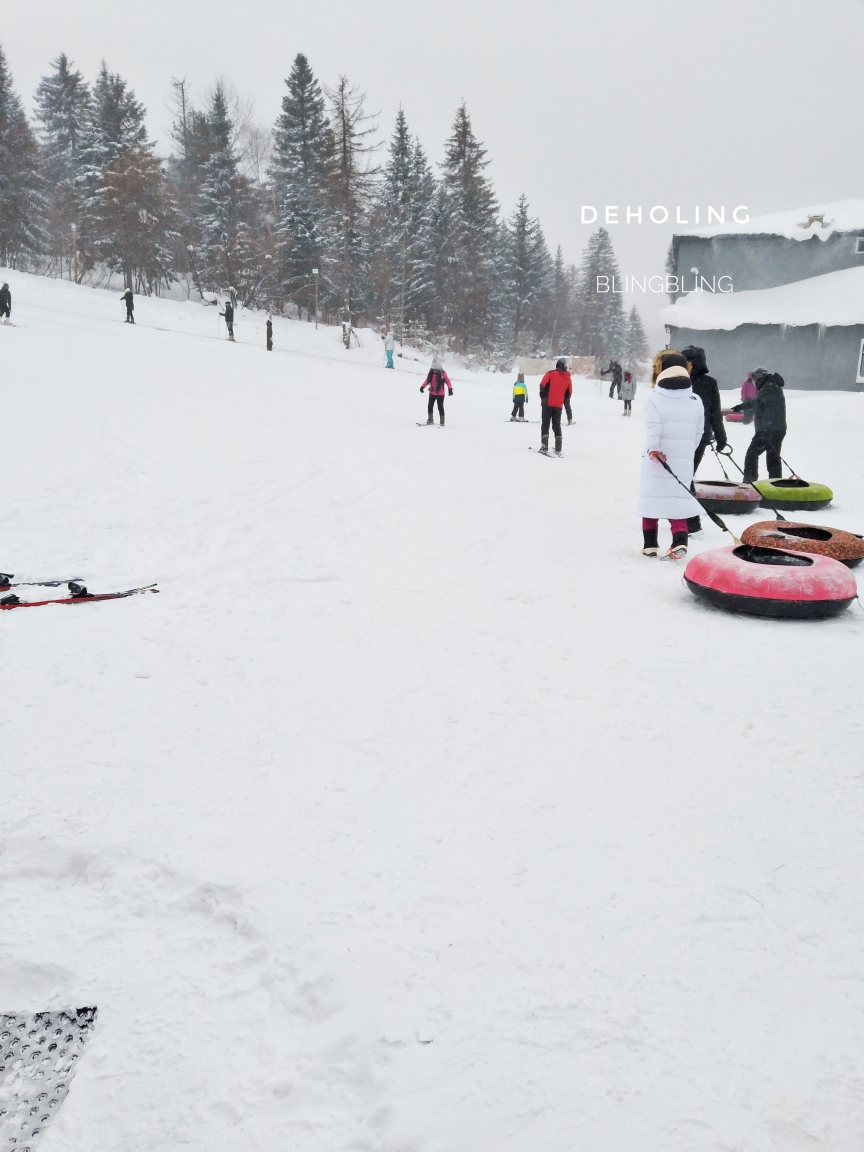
pixel 418 812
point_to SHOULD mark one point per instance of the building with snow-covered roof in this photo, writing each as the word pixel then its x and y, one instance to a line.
pixel 797 298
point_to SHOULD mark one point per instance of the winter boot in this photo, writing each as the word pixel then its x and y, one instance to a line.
pixel 559 444
pixel 649 542
pixel 442 419
pixel 430 421
pixel 513 419
pixel 544 445
pixel 678 549
pixel 694 524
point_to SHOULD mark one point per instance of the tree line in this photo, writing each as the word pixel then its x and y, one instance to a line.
pixel 301 216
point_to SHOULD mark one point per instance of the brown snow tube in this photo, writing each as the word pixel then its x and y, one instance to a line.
pixel 813 538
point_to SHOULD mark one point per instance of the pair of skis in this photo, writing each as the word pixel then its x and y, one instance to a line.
pixel 78 593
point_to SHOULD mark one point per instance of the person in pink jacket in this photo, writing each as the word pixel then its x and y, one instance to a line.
pixel 436 381
pixel 748 392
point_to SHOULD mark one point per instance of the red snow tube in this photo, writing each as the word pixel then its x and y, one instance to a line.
pixel 791 536
pixel 735 417
pixel 771 582
pixel 726 497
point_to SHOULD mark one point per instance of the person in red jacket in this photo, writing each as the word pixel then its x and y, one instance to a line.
pixel 555 388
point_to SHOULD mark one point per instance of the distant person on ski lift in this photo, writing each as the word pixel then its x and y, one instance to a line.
pixel 615 369
pixel 436 381
pixel 556 387
pixel 769 409
pixel 5 303
pixel 389 347
pixel 674 421
pixel 129 300
pixel 628 391
pixel 520 398
pixel 229 318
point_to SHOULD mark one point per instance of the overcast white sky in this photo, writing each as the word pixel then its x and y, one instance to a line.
pixel 721 102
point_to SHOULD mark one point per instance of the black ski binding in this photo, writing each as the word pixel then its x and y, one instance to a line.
pixel 6 579
pixel 77 589
pixel 13 599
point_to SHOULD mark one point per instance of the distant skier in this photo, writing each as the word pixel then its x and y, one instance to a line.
pixel 707 390
pixel 269 333
pixel 674 421
pixel 555 388
pixel 436 381
pixel 628 391
pixel 229 319
pixel 5 304
pixel 615 369
pixel 769 408
pixel 389 347
pixel 520 398
pixel 129 300
pixel 748 391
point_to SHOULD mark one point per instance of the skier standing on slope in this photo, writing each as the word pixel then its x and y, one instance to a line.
pixel 129 300
pixel 555 388
pixel 520 398
pixel 674 421
pixel 615 369
pixel 5 303
pixel 389 347
pixel 229 319
pixel 628 391
pixel 436 381
pixel 707 390
pixel 770 409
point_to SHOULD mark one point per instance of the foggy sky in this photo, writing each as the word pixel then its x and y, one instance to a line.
pixel 676 102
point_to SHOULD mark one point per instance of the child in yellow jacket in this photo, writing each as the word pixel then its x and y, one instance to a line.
pixel 520 398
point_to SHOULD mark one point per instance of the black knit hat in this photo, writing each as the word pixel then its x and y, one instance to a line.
pixel 673 360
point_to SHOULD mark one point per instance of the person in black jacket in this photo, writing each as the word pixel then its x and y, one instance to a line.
pixel 770 427
pixel 129 300
pixel 229 318
pixel 5 303
pixel 707 390
pixel 617 372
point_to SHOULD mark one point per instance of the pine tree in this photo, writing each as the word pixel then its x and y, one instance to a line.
pixel 62 105
pixel 350 198
pixel 524 276
pixel 21 202
pixel 225 211
pixel 137 213
pixel 558 307
pixel 601 321
pixel 466 225
pixel 299 170
pixel 637 350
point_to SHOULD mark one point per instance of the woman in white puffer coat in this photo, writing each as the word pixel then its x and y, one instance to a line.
pixel 674 423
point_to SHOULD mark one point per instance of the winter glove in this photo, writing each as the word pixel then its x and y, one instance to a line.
pixel 451 392
pixel 422 387
pixel 737 408
pixel 721 447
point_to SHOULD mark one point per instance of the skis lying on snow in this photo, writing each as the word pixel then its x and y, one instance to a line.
pixel 78 594
pixel 551 455
pixel 6 581
pixel 426 424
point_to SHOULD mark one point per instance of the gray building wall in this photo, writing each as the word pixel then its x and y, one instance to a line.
pixel 805 356
pixel 754 261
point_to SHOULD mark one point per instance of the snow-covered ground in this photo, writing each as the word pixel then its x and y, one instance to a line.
pixel 418 812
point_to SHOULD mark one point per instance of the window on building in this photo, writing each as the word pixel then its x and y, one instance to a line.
pixel 859 246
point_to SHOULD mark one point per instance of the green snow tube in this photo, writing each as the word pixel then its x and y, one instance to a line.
pixel 794 494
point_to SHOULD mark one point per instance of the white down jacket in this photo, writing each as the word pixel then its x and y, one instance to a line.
pixel 674 423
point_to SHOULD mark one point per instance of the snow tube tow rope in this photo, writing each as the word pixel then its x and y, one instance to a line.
pixel 814 539
pixel 794 494
pixel 727 497
pixel 771 582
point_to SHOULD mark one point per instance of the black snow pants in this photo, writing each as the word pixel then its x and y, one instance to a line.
pixel 769 441
pixel 551 416
pixel 130 315
pixel 6 311
pixel 519 407
pixel 431 407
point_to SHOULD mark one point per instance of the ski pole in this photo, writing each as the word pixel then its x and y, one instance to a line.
pixel 777 515
pixel 713 515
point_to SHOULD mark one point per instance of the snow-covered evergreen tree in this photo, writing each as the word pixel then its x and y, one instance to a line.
pixel 602 328
pixel 138 217
pixel 524 275
pixel 62 107
pixel 21 201
pixel 225 211
pixel 636 349
pixel 466 226
pixel 300 167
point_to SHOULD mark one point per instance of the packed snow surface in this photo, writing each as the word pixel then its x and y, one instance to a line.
pixel 837 298
pixel 418 812
pixel 794 224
